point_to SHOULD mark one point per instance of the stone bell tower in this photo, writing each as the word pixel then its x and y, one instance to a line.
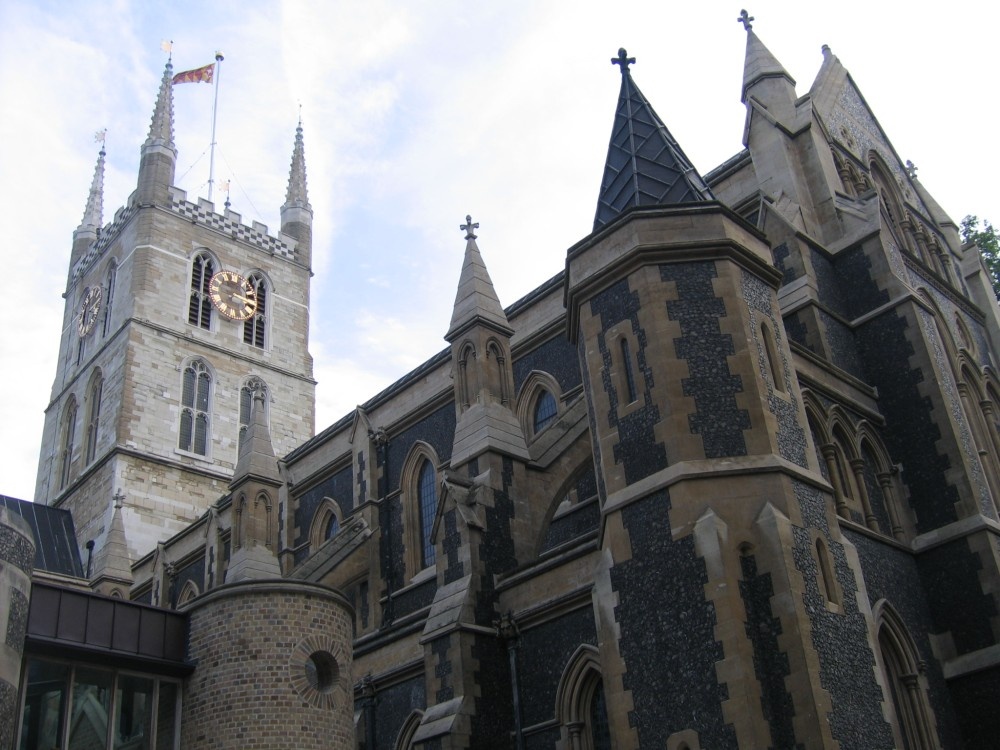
pixel 176 312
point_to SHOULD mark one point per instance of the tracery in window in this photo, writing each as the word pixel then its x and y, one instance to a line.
pixel 94 416
pixel 196 402
pixel 200 305
pixel 255 329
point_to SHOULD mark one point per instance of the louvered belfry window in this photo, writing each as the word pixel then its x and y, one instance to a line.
pixel 254 329
pixel 200 306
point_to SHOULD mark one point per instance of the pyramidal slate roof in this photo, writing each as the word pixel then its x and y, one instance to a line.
pixel 645 165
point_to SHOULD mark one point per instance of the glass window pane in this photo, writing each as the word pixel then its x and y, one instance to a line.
pixel 133 713
pixel 88 721
pixel 204 383
pixel 44 703
pixel 201 435
pixel 427 498
pixel 187 395
pixel 185 442
pixel 167 724
pixel 545 410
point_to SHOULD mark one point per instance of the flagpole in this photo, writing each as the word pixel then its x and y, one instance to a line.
pixel 215 110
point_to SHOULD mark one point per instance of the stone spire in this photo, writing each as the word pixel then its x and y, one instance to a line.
pixel 113 565
pixel 645 165
pixel 296 213
pixel 86 234
pixel 94 212
pixel 760 65
pixel 297 194
pixel 161 127
pixel 476 300
pixel 158 156
pixel 256 456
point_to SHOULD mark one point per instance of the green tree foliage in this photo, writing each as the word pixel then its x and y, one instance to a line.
pixel 989 244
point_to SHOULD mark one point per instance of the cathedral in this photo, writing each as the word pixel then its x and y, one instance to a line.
pixel 731 479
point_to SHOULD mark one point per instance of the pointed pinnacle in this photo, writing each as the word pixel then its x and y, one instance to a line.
pixel 161 128
pixel 94 212
pixel 297 193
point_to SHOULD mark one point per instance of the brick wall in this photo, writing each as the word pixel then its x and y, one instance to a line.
pixel 251 642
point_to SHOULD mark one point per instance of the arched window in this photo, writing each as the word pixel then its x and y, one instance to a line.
pixel 94 416
pixel 580 703
pixel 326 523
pixel 189 591
pixel 200 305
pixel 628 372
pixel 246 402
pixel 110 298
pixel 901 665
pixel 196 409
pixel 427 502
pixel 545 411
pixel 69 433
pixel 254 329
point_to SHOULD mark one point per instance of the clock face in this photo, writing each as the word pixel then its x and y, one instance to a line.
pixel 232 295
pixel 88 310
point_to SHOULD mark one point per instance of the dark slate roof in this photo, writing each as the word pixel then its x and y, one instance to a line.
pixel 56 550
pixel 645 165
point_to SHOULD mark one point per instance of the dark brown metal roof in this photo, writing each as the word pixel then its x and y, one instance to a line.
pixel 83 625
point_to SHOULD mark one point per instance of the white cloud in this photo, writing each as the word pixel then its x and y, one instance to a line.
pixel 416 114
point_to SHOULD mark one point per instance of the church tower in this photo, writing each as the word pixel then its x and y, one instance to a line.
pixel 175 315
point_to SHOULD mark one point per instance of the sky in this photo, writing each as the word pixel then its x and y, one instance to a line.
pixel 416 114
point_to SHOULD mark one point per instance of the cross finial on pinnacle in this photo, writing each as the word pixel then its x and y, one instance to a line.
pixel 469 228
pixel 119 498
pixel 911 170
pixel 745 19
pixel 623 59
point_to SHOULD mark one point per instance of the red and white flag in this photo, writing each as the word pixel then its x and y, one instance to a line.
pixel 198 75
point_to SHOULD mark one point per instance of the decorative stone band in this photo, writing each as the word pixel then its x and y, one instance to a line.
pixel 272 586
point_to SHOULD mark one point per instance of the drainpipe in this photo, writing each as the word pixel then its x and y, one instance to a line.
pixel 508 632
pixel 368 701
pixel 382 444
pixel 90 556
